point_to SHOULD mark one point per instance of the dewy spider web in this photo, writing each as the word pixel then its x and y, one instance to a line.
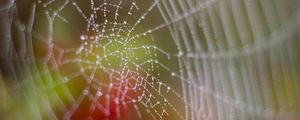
pixel 233 59
pixel 117 67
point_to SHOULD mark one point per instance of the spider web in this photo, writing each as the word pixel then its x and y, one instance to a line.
pixel 119 68
pixel 235 94
pixel 232 59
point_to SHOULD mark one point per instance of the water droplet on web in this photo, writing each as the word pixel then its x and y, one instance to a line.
pixel 173 74
pixel 86 92
pixel 99 93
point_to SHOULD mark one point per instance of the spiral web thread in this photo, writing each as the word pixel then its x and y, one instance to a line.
pixel 242 62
